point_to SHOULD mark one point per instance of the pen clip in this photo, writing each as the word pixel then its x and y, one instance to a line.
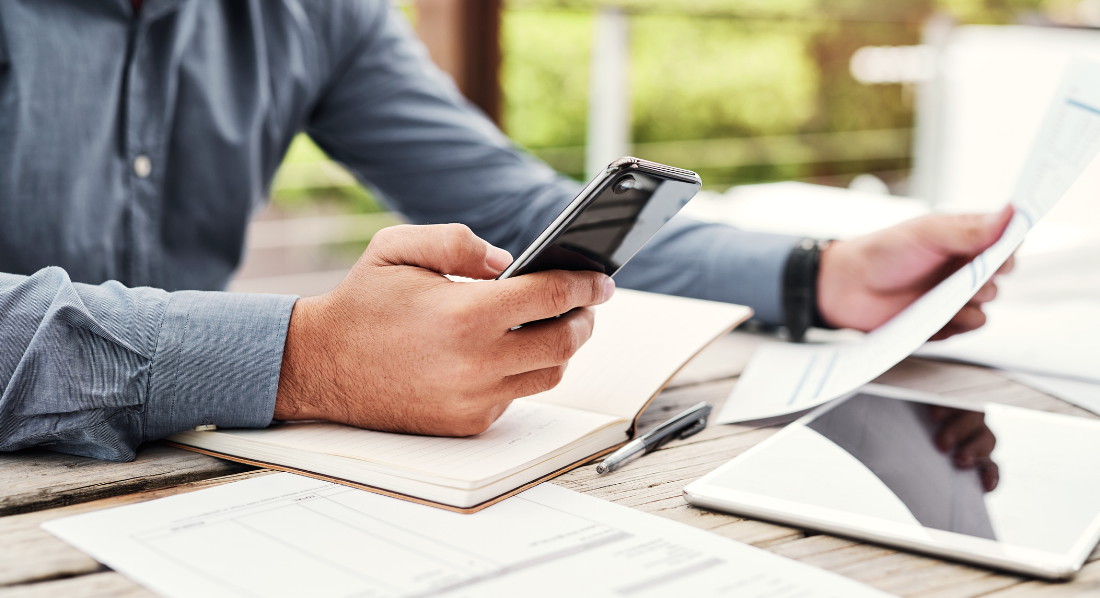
pixel 693 429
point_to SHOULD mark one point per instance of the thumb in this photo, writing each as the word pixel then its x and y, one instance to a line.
pixel 443 248
pixel 963 234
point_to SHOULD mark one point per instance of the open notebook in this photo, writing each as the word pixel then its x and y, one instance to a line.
pixel 640 341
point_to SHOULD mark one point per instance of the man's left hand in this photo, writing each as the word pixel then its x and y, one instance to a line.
pixel 864 282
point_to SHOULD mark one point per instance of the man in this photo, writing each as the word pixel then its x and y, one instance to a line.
pixel 137 138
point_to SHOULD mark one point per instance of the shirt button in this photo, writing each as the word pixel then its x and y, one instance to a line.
pixel 143 166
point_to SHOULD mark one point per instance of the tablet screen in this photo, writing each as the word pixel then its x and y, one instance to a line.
pixel 880 465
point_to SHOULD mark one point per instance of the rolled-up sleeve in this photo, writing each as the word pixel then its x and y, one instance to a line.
pixel 96 370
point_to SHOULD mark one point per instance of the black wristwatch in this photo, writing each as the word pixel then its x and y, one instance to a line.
pixel 800 287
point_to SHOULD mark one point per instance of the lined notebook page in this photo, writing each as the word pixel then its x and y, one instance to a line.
pixel 640 341
pixel 526 432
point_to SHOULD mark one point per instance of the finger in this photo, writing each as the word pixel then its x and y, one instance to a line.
pixel 970 317
pixel 939 413
pixel 975 449
pixel 541 295
pixel 532 383
pixel 1008 266
pixel 987 293
pixel 545 344
pixel 957 430
pixel 443 248
pixel 964 235
pixel 990 474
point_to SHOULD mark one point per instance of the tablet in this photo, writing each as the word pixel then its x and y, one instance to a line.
pixel 867 466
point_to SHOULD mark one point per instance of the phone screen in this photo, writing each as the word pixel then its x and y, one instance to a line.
pixel 606 230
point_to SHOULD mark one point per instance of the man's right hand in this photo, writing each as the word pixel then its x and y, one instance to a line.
pixel 399 347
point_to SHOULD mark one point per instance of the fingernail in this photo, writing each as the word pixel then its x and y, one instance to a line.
pixel 608 287
pixel 497 258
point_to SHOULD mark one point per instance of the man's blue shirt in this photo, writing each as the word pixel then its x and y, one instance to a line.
pixel 135 147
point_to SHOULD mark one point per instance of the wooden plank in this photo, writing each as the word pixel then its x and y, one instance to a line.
pixel 935 575
pixel 830 552
pixel 33 563
pixel 975 587
pixel 34 480
pixel 29 554
pixel 107 584
pixel 1086 583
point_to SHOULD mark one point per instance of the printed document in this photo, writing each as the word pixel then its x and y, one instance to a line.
pixel 786 378
pixel 288 535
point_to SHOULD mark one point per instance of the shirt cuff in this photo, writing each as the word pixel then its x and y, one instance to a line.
pixel 217 361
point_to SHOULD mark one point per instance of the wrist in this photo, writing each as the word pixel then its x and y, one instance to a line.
pixel 299 394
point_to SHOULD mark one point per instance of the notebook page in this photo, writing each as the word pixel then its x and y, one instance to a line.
pixel 640 341
pixel 526 432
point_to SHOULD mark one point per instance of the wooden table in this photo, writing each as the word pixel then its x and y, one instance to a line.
pixel 36 486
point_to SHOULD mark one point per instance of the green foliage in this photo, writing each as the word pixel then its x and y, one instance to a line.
pixel 545 77
pixel 693 78
pixel 740 90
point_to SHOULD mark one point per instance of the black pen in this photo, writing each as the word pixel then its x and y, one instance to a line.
pixel 682 425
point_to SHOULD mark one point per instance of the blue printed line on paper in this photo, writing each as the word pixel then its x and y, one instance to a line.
pixel 802 381
pixel 1083 106
pixel 828 372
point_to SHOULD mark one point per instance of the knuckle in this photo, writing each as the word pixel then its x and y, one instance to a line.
pixel 474 423
pixel 542 380
pixel 388 241
pixel 553 376
pixel 557 297
pixel 456 238
pixel 595 289
pixel 568 342
pixel 387 235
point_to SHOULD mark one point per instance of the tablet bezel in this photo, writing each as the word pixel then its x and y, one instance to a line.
pixel 704 493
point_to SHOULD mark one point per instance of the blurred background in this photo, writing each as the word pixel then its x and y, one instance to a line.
pixel 845 93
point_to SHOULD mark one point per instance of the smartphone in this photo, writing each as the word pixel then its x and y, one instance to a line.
pixel 617 213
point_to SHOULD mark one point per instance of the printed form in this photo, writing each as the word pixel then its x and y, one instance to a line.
pixel 289 535
pixel 785 378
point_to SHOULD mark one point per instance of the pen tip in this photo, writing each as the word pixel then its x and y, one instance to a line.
pixel 601 468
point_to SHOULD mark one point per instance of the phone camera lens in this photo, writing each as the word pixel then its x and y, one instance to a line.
pixel 624 184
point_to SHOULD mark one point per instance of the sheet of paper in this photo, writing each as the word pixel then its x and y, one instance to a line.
pixel 286 535
pixel 1059 338
pixel 1085 395
pixel 786 378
